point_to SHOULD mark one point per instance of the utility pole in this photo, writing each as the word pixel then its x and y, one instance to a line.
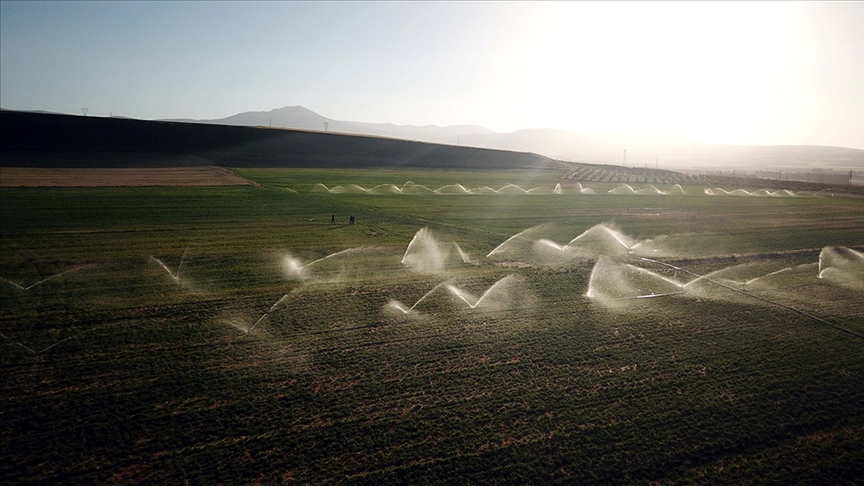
pixel 271 122
pixel 625 157
pixel 84 110
pixel 850 177
pixel 325 126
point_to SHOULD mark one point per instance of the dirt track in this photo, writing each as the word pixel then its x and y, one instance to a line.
pixel 86 177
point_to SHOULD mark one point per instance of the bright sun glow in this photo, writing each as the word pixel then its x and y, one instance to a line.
pixel 763 73
pixel 674 68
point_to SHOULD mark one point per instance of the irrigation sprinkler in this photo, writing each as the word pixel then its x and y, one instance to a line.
pixel 702 277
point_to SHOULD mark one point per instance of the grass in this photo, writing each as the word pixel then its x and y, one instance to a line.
pixel 158 383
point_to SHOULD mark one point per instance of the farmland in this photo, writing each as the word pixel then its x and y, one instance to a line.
pixel 234 334
pixel 108 177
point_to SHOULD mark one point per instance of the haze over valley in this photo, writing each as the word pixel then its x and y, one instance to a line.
pixel 643 149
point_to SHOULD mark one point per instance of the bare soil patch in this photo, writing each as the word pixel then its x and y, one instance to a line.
pixel 91 177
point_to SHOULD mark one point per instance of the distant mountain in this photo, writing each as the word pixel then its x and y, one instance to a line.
pixel 651 150
pixel 50 140
pixel 298 117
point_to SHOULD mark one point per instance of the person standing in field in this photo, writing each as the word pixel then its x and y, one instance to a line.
pixel 333 218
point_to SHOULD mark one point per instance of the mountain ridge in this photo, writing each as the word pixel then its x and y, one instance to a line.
pixel 300 117
pixel 57 140
pixel 675 152
pixel 641 150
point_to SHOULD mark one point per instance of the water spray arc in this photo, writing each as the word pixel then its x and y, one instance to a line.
pixel 585 190
pixel 657 275
pixel 23 288
pixel 611 281
pixel 164 267
pixel 843 266
pixel 180 265
pixel 467 298
pixel 618 237
pixel 174 275
pixel 15 284
pixel 719 191
pixel 295 268
pixel 838 257
pixel 282 299
pixel 28 348
pixel 513 189
pixel 518 235
pixel 426 254
pixel 257 322
pixel 452 189
pixel 651 296
pixel 756 279
pixel 272 309
pixel 599 239
pixel 703 277
pixel 465 257
pixel 410 187
pixel 551 244
pixel 398 305
pixel 328 256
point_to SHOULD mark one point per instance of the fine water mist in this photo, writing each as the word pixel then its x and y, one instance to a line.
pixel 509 292
pixel 395 304
pixel 175 274
pixel 427 254
pixel 466 258
pixel 585 190
pixel 294 268
pixel 52 277
pixel 602 239
pixel 613 283
pixel 28 348
pixel 424 253
pixel 20 287
pixel 719 191
pixel 519 244
pixel 842 266
pixel 410 187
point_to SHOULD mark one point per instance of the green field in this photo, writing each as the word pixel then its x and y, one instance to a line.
pixel 126 358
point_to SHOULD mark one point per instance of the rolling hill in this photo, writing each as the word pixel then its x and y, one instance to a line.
pixel 643 150
pixel 51 140
pixel 298 117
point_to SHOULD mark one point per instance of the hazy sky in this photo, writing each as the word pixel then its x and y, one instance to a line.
pixel 728 72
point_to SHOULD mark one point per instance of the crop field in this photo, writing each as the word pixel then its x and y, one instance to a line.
pixel 585 173
pixel 108 177
pixel 472 327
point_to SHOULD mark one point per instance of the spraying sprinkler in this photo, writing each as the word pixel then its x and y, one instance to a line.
pixel 467 298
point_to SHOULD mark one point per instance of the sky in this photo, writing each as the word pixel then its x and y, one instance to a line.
pixel 772 73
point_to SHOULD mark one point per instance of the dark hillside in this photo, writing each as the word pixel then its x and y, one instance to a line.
pixel 49 140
